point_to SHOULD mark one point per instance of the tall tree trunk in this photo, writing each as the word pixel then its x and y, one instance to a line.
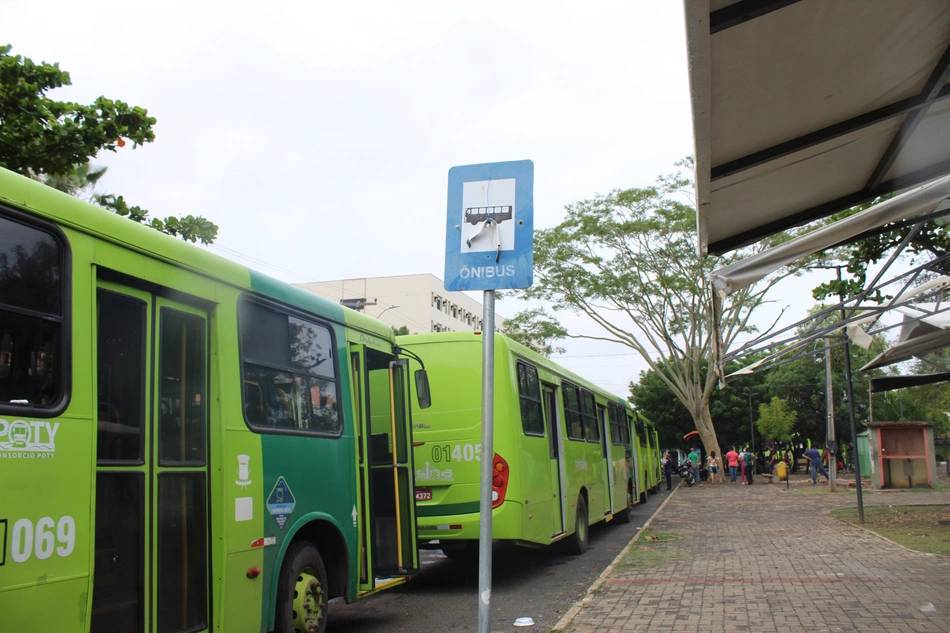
pixel 702 417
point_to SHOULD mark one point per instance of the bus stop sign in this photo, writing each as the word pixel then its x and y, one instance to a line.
pixel 489 234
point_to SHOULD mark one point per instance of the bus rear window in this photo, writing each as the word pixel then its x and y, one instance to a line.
pixel 31 316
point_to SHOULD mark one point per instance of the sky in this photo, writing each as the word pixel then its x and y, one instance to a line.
pixel 319 135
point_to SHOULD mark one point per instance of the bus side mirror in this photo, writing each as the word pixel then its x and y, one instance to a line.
pixel 422 389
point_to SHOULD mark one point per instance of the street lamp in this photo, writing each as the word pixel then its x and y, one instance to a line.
pixel 380 315
pixel 751 423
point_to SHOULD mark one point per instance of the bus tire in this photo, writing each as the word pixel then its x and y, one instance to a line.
pixel 301 591
pixel 578 543
pixel 626 515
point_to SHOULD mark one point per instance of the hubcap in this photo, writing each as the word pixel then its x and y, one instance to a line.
pixel 308 602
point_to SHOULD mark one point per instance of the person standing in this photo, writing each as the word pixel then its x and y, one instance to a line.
pixel 732 460
pixel 712 463
pixel 815 458
pixel 668 471
pixel 748 458
pixel 693 458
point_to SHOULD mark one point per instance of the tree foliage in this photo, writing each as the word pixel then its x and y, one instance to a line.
pixel 776 421
pixel 628 260
pixel 932 241
pixel 53 141
pixel 535 329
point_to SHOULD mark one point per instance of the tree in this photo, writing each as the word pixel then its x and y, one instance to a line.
pixel 53 141
pixel 776 421
pixel 628 260
pixel 729 408
pixel 402 330
pixel 535 329
pixel 932 241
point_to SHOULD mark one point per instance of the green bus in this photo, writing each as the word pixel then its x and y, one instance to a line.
pixel 650 470
pixel 562 460
pixel 185 444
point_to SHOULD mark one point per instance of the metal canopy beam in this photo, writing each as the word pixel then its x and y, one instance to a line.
pixel 935 84
pixel 740 12
pixel 827 208
pixel 912 104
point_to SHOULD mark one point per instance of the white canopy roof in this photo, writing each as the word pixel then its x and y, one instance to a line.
pixel 745 272
pixel 924 330
pixel 802 108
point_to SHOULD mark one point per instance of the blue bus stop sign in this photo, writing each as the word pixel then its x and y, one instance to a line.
pixel 489 234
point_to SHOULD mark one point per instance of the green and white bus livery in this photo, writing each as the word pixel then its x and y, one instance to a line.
pixel 185 444
pixel 562 448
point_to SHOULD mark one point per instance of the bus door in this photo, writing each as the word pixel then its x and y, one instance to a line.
pixel 608 462
pixel 388 529
pixel 152 564
pixel 556 452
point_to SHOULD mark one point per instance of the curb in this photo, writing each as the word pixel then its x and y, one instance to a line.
pixel 568 617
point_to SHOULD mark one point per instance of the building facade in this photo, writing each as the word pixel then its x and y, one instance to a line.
pixel 419 302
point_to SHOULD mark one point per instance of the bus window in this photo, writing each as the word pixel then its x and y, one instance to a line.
pixel 591 428
pixel 572 411
pixel 289 372
pixel 529 392
pixel 31 316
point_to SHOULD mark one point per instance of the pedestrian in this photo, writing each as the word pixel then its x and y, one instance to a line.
pixel 668 471
pixel 749 460
pixel 693 458
pixel 815 458
pixel 732 460
pixel 712 463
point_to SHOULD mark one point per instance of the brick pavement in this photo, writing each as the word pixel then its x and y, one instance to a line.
pixel 761 559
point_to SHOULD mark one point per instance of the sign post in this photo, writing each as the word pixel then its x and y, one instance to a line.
pixel 489 237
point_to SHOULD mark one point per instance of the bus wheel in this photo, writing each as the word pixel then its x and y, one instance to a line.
pixel 301 591
pixel 581 528
pixel 626 515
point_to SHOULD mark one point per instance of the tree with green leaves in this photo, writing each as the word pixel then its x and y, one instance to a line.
pixel 535 329
pixel 931 242
pixel 53 141
pixel 628 261
pixel 776 421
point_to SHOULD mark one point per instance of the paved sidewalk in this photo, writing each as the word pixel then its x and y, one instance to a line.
pixel 760 559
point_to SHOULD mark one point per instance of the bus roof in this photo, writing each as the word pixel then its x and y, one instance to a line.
pixel 518 349
pixel 44 201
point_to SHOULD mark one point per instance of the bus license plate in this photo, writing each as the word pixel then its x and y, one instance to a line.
pixel 423 494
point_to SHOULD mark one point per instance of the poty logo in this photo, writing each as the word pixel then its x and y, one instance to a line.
pixel 21 437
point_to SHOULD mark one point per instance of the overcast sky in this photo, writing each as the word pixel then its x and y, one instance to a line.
pixel 319 135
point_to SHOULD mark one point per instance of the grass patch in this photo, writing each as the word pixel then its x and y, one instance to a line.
pixel 650 550
pixel 920 528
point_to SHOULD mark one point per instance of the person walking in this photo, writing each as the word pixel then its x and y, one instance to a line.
pixel 712 463
pixel 668 471
pixel 815 458
pixel 694 463
pixel 732 460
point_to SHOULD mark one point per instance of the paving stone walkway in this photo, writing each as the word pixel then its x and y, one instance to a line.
pixel 762 559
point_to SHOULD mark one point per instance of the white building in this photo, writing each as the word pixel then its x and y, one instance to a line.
pixel 420 302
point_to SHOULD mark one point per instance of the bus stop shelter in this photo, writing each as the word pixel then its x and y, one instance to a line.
pixel 802 108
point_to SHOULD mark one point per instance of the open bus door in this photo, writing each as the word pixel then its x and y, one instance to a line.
pixel 556 449
pixel 388 546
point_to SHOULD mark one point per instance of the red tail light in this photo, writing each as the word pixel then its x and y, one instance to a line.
pixel 499 482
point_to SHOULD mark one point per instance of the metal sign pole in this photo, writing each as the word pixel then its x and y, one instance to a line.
pixel 488 453
pixel 854 431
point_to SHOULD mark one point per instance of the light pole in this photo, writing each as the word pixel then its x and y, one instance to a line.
pixel 380 315
pixel 751 423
